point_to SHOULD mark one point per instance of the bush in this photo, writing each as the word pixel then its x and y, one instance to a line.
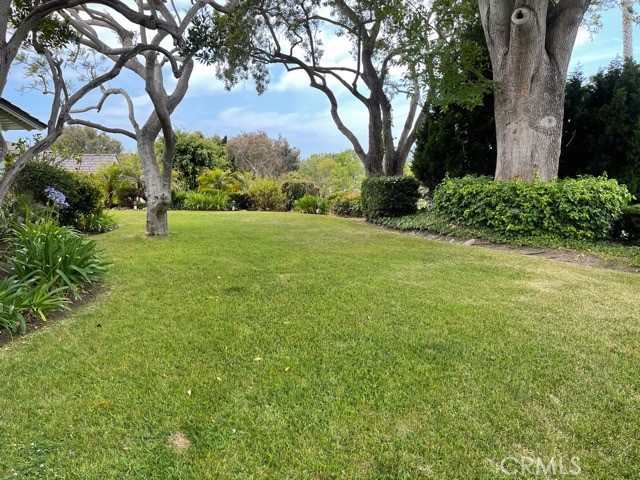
pixel 177 200
pixel 265 194
pixel 95 222
pixel 389 197
pixel 583 208
pixel 348 205
pixel 296 189
pixel 23 297
pixel 311 204
pixel 243 201
pixel 82 193
pixel 628 225
pixel 47 253
pixel 214 200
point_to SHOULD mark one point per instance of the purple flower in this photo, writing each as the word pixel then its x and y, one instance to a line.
pixel 57 197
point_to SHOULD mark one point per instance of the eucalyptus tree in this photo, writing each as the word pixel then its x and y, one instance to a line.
pixel 627 28
pixel 95 27
pixel 47 72
pixel 30 22
pixel 378 39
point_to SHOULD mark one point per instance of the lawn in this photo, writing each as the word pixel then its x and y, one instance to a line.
pixel 267 345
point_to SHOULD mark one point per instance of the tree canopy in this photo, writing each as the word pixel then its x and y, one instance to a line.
pixel 195 153
pixel 262 155
pixel 333 172
pixel 602 125
pixel 81 140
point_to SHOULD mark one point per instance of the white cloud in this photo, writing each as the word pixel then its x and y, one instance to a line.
pixel 583 37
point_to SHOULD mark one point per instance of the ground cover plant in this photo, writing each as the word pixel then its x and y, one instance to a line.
pixel 308 346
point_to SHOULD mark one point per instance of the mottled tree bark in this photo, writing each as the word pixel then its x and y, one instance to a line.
pixel 627 29
pixel 530 44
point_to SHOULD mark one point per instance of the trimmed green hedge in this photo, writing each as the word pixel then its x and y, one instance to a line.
pixel 82 192
pixel 389 197
pixel 348 205
pixel 582 208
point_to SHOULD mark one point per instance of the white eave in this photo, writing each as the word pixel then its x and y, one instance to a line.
pixel 14 118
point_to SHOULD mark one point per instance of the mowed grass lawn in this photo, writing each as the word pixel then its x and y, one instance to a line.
pixel 291 346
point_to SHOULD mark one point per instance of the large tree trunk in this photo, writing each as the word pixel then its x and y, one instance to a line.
pixel 530 44
pixel 158 191
pixel 529 109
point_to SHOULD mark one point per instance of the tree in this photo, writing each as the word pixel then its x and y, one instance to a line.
pixel 38 23
pixel 261 155
pixel 459 139
pixel 602 126
pixel 332 173
pixel 291 34
pixel 530 46
pixel 195 153
pixel 627 29
pixel 48 70
pixel 80 140
pixel 455 141
pixel 97 28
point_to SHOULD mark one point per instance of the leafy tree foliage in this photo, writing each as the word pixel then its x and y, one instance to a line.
pixel 332 173
pixel 81 140
pixel 394 48
pixel 458 139
pixel 602 125
pixel 195 153
pixel 262 155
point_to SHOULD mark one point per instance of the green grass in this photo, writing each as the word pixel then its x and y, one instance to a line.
pixel 319 347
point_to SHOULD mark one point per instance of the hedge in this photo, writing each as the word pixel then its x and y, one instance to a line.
pixel 582 208
pixel 389 197
pixel 81 191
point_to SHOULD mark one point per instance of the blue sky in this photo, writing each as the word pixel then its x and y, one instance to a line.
pixel 290 106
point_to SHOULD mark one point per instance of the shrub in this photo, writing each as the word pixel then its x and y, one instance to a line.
pixel 311 204
pixel 243 201
pixel 22 297
pixel 265 194
pixel 296 189
pixel 389 196
pixel 95 222
pixel 583 208
pixel 628 226
pixel 348 205
pixel 213 200
pixel 47 253
pixel 177 200
pixel 82 193
pixel 128 195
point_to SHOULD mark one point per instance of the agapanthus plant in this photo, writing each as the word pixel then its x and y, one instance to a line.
pixel 56 197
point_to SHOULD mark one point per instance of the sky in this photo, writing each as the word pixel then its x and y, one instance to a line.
pixel 289 107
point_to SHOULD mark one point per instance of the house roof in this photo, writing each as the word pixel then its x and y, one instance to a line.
pixel 90 163
pixel 14 118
